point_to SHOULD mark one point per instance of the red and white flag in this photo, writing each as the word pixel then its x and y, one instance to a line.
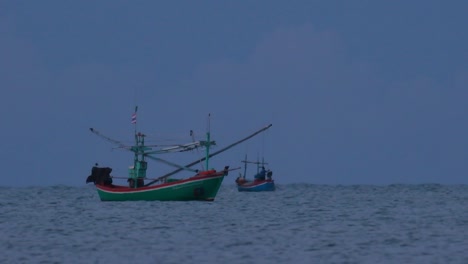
pixel 134 115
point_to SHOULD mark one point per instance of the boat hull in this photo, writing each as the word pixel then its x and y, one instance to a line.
pixel 257 186
pixel 202 188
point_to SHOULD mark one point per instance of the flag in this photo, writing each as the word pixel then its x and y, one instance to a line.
pixel 134 118
pixel 134 115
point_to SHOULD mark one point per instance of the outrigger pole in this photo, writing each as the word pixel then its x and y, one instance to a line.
pixel 208 156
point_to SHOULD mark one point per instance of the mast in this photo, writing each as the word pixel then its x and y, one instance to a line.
pixel 208 143
pixel 138 172
pixel 134 120
pixel 258 163
pixel 133 173
pixel 245 166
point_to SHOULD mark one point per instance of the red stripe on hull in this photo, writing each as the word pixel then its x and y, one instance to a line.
pixel 126 189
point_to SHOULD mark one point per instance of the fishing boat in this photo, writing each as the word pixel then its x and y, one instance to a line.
pixel 262 181
pixel 203 185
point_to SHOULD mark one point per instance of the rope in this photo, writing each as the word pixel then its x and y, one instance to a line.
pixel 152 179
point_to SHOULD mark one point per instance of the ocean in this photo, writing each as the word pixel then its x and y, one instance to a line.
pixel 298 223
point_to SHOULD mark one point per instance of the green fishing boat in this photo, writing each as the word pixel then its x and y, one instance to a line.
pixel 203 185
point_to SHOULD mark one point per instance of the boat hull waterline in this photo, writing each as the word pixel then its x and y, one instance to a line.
pixel 201 188
pixel 257 186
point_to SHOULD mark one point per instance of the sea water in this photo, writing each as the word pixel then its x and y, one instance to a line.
pixel 298 223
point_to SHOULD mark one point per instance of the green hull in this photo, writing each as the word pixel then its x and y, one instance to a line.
pixel 201 188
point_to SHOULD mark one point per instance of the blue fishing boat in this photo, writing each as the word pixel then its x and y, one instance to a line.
pixel 262 180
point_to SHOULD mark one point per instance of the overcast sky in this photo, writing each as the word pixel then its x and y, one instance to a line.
pixel 358 92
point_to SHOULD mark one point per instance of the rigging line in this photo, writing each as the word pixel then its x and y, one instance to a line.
pixel 169 163
pixel 210 155
pixel 164 137
pixel 118 143
pixel 198 150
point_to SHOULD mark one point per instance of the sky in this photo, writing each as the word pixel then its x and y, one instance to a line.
pixel 358 92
